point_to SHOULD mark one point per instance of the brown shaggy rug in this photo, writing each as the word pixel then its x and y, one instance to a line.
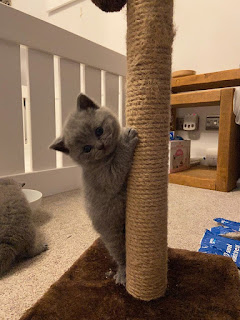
pixel 200 287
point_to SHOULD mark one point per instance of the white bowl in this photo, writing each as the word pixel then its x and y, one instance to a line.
pixel 34 198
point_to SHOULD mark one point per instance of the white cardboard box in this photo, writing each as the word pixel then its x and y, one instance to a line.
pixel 179 155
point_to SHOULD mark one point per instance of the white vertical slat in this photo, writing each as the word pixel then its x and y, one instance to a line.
pixel 58 107
pixel 11 125
pixel 70 89
pixel 82 78
pixel 93 83
pixel 123 101
pixel 112 92
pixel 24 64
pixel 24 101
pixel 28 121
pixel 42 99
pixel 103 88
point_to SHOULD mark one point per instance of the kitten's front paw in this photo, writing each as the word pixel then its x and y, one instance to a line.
pixel 131 136
pixel 132 133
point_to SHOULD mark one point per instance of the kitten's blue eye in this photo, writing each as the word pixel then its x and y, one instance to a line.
pixel 99 131
pixel 87 149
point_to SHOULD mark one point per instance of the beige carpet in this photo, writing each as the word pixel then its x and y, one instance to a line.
pixel 69 232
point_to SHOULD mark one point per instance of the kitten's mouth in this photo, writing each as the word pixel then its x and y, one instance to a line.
pixel 103 151
pixel 102 147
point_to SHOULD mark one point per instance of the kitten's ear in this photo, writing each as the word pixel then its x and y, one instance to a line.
pixel 83 103
pixel 59 145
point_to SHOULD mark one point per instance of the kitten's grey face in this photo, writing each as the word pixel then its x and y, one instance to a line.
pixel 90 134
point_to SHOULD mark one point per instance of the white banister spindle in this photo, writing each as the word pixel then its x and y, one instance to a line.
pixel 42 99
pixel 70 89
pixel 103 88
pixel 93 83
pixel 11 124
pixel 112 92
pixel 28 121
pixel 58 107
pixel 82 78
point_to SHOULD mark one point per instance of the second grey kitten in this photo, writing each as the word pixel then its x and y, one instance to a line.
pixel 18 236
pixel 92 137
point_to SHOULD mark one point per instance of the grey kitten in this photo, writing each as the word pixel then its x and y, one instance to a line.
pixel 92 137
pixel 18 236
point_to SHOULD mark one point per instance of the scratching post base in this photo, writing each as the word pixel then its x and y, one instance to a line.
pixel 200 287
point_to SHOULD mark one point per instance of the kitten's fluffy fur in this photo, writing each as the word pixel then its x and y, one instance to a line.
pixel 105 170
pixel 18 237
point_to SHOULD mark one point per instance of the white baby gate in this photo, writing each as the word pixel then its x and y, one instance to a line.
pixel 42 70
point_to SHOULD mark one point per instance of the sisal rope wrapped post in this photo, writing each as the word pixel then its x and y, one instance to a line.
pixel 149 48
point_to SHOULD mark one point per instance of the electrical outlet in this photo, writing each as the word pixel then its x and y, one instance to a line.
pixel 179 123
pixel 212 122
pixel 190 122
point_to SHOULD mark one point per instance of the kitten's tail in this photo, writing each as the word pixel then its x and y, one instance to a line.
pixel 7 258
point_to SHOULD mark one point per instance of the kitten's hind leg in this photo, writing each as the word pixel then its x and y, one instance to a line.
pixel 120 276
pixel 116 248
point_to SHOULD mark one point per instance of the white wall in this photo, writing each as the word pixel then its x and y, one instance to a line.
pixel 207 35
pixel 36 8
pixel 207 31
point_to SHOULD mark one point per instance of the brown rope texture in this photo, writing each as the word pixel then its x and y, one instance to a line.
pixel 149 48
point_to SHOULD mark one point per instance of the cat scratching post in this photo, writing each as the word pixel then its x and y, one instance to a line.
pixel 149 48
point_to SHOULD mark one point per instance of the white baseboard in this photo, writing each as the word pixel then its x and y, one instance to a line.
pixel 52 181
